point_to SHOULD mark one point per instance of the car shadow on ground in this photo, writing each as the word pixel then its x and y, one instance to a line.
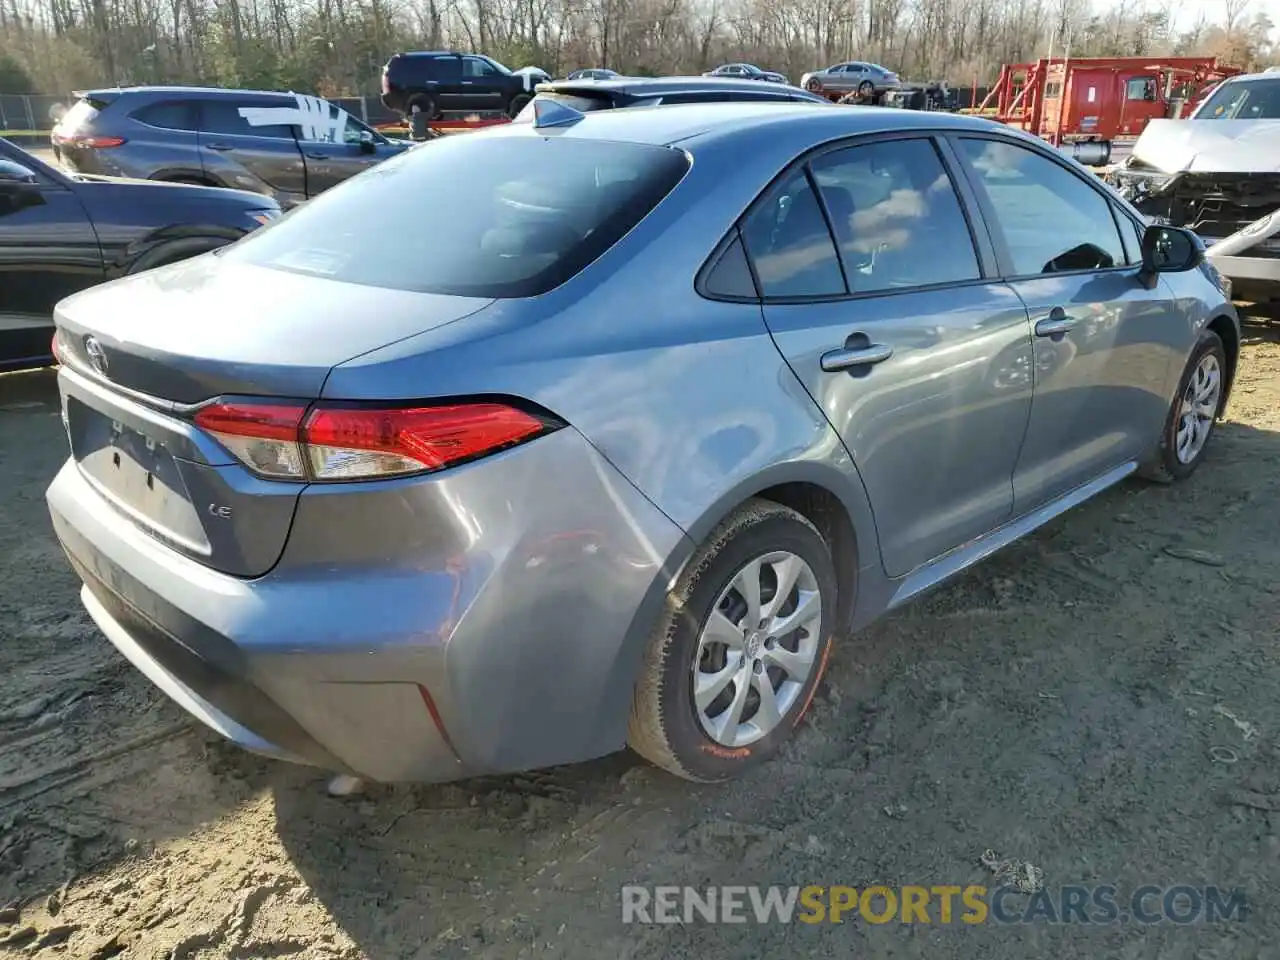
pixel 96 765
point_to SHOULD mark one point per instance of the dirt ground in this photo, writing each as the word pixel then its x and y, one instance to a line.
pixel 1101 700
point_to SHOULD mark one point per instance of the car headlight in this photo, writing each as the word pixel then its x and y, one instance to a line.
pixel 263 217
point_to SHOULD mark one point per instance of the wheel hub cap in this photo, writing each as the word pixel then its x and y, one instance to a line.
pixel 757 649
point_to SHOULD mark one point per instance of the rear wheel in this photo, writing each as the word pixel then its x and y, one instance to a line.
pixel 1193 413
pixel 738 654
pixel 423 102
pixel 865 89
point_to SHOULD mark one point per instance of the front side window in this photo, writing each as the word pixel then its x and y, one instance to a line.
pixel 896 216
pixel 1132 235
pixel 790 245
pixel 520 217
pixel 1140 88
pixel 1051 219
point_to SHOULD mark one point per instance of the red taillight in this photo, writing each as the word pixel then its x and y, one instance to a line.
pixel 53 348
pixel 84 140
pixel 386 84
pixel 357 443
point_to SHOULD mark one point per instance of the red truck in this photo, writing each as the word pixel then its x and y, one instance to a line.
pixel 1100 98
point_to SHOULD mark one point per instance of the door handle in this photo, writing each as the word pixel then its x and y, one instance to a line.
pixel 1055 324
pixel 315 155
pixel 218 146
pixel 844 359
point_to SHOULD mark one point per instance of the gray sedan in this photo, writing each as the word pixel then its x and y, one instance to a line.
pixel 621 437
pixel 866 79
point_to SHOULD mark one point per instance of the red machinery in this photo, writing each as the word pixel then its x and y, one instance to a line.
pixel 1100 98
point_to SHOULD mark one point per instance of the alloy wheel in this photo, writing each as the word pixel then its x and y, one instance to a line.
pixel 1200 402
pixel 757 649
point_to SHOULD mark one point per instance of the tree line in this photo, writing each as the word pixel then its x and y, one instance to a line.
pixel 337 47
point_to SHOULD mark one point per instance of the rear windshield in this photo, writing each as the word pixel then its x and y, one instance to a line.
pixel 79 116
pixel 1243 100
pixel 471 215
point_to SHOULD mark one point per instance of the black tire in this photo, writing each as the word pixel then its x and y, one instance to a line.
pixel 190 181
pixel 814 86
pixel 866 89
pixel 423 102
pixel 1164 466
pixel 518 103
pixel 664 726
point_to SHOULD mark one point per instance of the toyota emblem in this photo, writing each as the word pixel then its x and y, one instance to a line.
pixel 97 356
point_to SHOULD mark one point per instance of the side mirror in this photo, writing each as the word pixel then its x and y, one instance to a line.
pixel 19 186
pixel 1170 250
pixel 367 143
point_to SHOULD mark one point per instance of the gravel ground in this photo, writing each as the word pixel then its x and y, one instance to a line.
pixel 1099 700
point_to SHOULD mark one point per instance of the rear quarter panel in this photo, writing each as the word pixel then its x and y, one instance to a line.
pixel 687 398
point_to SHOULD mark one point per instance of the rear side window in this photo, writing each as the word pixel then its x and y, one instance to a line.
pixel 224 117
pixel 518 218
pixel 790 245
pixel 174 115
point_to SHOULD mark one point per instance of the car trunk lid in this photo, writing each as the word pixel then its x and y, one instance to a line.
pixel 141 355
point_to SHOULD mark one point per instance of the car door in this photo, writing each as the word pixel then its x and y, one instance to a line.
pixel 248 143
pixel 483 85
pixel 48 250
pixel 336 152
pixel 901 332
pixel 1100 331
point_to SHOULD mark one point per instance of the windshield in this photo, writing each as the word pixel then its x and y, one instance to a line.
pixel 1243 100
pixel 471 217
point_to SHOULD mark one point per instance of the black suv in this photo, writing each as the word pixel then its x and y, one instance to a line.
pixel 444 81
pixel 287 146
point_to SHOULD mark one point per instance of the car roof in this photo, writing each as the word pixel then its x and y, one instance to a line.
pixel 663 126
pixel 1264 75
pixel 180 91
pixel 656 86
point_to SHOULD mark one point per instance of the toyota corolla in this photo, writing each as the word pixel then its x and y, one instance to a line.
pixel 618 439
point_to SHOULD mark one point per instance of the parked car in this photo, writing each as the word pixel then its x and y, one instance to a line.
pixel 1215 173
pixel 286 146
pixel 747 71
pixel 61 233
pixel 593 73
pixel 613 439
pixel 437 81
pixel 584 95
pixel 865 79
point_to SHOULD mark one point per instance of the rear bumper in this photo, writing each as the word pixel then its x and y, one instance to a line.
pixel 506 643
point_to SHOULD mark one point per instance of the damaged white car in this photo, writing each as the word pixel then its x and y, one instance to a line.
pixel 1218 173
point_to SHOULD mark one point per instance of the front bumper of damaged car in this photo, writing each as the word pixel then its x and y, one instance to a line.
pixel 1237 216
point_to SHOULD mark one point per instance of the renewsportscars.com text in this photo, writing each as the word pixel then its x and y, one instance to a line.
pixel 938 904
